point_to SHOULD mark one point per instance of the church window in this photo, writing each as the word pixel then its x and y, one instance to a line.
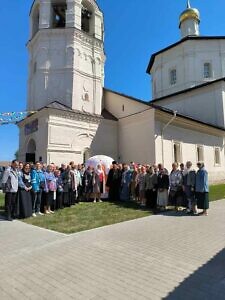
pixel 123 107
pixel 177 152
pixel 217 155
pixel 200 154
pixel 59 15
pixel 207 70
pixel 86 155
pixel 86 97
pixel 85 19
pixel 173 76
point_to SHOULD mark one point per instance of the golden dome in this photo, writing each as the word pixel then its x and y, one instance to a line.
pixel 190 13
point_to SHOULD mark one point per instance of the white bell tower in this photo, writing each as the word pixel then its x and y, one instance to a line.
pixel 66 48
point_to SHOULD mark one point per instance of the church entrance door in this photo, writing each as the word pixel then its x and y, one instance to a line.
pixel 30 157
pixel 31 151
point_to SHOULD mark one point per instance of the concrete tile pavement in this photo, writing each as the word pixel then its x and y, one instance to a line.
pixel 164 256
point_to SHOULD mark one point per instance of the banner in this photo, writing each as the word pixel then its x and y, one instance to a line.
pixel 13 117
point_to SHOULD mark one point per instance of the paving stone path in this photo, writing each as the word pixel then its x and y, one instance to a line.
pixel 168 256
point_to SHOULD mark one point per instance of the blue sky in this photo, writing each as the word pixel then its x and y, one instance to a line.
pixel 134 30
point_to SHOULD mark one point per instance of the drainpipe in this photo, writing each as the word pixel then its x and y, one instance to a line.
pixel 162 132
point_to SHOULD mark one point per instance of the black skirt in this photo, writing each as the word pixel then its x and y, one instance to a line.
pixel 202 200
pixel 25 204
pixel 50 198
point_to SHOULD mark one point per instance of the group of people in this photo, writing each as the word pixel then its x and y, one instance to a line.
pixel 155 187
pixel 38 189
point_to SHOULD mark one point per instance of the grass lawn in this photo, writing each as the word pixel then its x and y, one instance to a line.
pixel 217 192
pixel 86 216
pixel 92 215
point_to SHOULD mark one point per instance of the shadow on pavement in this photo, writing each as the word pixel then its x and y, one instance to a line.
pixel 173 213
pixel 206 283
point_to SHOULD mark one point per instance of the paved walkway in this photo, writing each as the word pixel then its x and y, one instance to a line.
pixel 160 257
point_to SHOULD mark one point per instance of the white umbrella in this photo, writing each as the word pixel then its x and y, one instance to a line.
pixel 104 160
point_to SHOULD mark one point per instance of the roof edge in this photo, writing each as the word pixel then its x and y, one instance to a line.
pixel 188 90
pixel 187 38
pixel 186 117
pixel 146 102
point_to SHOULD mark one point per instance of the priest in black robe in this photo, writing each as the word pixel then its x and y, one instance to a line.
pixel 114 182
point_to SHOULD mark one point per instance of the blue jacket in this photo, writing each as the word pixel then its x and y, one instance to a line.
pixel 37 180
pixel 50 182
pixel 202 185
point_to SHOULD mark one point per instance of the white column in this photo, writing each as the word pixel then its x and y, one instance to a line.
pixel 73 14
pixel 98 25
pixel 45 14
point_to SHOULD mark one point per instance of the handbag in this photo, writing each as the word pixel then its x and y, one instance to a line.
pixel 42 185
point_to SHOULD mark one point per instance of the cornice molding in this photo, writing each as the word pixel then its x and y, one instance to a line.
pixel 76 116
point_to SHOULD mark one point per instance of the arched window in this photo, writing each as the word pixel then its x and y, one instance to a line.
pixel 31 151
pixel 86 155
pixel 35 20
pixel 217 156
pixel 207 70
pixel 173 76
pixel 85 19
pixel 59 14
pixel 177 152
pixel 200 153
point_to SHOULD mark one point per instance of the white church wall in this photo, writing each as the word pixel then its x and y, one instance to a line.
pixel 40 137
pixel 136 138
pixel 188 59
pixel 105 141
pixel 189 140
pixel 70 135
pixel 122 106
pixel 205 104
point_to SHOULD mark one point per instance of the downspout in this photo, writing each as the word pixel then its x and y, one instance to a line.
pixel 162 132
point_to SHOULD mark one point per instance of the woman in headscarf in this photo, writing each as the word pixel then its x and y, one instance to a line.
pixel 134 173
pixel 67 186
pixel 163 186
pixel 88 182
pixel 125 184
pixel 202 189
pixel 141 184
pixel 98 183
pixel 189 179
pixel 59 192
pixel 150 186
pixel 176 186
